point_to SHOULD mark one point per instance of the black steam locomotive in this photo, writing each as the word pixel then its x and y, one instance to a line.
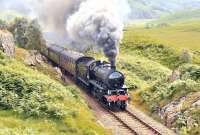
pixel 101 78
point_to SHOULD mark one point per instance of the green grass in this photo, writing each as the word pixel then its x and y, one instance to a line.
pixel 147 58
pixel 185 35
pixel 32 103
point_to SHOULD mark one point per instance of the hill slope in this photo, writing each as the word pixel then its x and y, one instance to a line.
pixel 148 57
pixel 140 9
pixel 32 103
pixel 145 9
pixel 164 80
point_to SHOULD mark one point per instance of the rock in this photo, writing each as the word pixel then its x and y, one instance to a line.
pixel 7 44
pixel 170 112
pixel 59 72
pixel 196 104
pixel 34 58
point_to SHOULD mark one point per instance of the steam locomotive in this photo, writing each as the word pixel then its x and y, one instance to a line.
pixel 102 79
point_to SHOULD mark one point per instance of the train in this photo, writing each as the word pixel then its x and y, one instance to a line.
pixel 100 78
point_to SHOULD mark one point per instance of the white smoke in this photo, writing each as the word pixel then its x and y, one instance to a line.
pixel 53 14
pixel 99 23
pixel 82 22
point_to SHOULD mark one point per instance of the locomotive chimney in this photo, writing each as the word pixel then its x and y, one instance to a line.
pixel 113 66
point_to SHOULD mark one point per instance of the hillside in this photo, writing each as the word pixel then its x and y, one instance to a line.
pixel 180 33
pixel 140 9
pixel 181 16
pixel 33 103
pixel 148 57
pixel 162 75
pixel 145 9
pixel 159 56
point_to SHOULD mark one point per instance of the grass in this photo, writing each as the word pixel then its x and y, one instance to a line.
pixel 23 54
pixel 149 55
pixel 179 35
pixel 32 103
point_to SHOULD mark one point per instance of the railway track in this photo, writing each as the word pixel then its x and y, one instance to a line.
pixel 132 123
pixel 135 125
pixel 127 121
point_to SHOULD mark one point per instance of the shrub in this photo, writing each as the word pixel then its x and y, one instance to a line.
pixel 30 100
pixel 181 121
pixel 27 33
pixel 25 97
pixel 29 93
pixel 187 128
pixel 3 25
pixel 163 91
pixel 18 28
pixel 143 68
pixel 190 71
pixel 186 56
pixel 156 52
pixel 34 35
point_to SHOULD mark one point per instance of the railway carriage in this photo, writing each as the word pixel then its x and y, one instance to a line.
pixel 54 53
pixel 68 60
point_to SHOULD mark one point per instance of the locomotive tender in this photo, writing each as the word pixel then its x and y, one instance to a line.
pixel 102 80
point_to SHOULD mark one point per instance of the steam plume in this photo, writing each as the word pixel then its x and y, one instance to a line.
pixel 81 23
pixel 97 23
pixel 53 14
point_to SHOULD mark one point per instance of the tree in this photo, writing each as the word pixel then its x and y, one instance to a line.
pixel 18 27
pixel 27 33
pixel 3 25
pixel 34 35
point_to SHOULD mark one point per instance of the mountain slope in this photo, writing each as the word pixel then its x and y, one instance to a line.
pixel 140 9
pixel 180 17
pixel 32 103
pixel 145 9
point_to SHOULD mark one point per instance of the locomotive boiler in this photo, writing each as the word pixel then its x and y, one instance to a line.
pixel 101 78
